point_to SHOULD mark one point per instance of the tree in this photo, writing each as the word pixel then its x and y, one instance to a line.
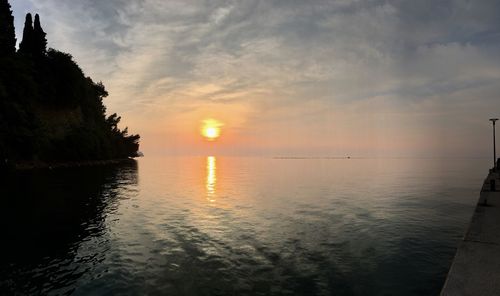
pixel 26 46
pixel 39 40
pixel 7 32
pixel 49 109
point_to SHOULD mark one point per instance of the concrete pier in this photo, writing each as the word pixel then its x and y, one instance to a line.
pixel 476 267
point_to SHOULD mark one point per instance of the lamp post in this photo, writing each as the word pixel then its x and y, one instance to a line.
pixel 493 120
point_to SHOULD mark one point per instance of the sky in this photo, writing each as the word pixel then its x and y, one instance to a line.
pixel 289 77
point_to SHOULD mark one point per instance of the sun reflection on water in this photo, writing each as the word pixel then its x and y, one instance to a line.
pixel 211 178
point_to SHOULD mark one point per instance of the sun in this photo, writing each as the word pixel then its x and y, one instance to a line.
pixel 211 129
pixel 211 132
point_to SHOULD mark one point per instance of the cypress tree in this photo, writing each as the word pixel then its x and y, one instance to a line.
pixel 26 46
pixel 39 40
pixel 7 32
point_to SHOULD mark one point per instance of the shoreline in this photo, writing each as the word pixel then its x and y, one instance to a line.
pixel 475 269
pixel 41 165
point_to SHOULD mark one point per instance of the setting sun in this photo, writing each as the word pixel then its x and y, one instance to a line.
pixel 211 129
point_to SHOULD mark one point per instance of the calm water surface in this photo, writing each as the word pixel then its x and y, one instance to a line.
pixel 237 226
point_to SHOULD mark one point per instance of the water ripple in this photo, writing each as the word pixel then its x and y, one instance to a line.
pixel 235 226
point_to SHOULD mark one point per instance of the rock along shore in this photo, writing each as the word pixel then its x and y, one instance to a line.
pixel 32 165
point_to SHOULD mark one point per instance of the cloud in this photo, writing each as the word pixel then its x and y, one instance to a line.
pixel 287 61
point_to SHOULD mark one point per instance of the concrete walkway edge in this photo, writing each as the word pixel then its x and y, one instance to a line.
pixel 476 267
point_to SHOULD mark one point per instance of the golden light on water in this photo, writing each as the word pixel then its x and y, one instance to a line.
pixel 211 181
pixel 211 129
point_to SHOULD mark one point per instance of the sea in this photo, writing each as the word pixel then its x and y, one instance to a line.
pixel 215 225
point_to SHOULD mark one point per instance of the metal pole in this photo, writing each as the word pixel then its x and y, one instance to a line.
pixel 493 120
pixel 494 147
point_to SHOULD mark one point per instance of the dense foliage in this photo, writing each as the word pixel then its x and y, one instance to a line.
pixel 49 110
pixel 7 32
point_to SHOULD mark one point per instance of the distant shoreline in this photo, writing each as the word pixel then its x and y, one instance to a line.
pixel 35 165
pixel 305 157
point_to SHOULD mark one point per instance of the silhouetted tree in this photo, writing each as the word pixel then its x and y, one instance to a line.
pixel 7 32
pixel 113 121
pixel 26 46
pixel 39 40
pixel 49 110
